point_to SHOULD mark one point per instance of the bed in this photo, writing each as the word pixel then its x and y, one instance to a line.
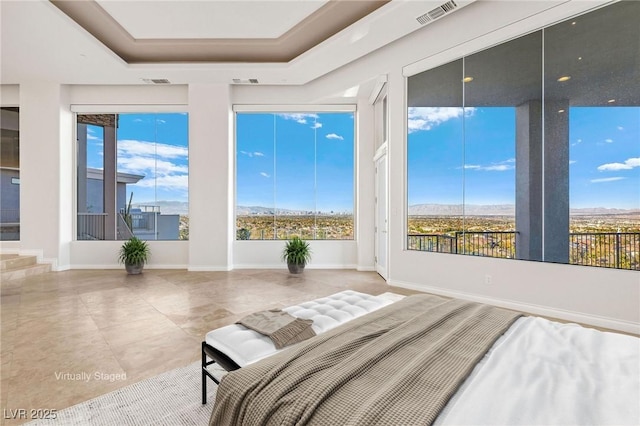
pixel 235 346
pixel 431 360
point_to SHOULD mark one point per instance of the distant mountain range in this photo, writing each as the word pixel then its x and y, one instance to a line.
pixel 500 210
pixel 182 207
pixel 259 210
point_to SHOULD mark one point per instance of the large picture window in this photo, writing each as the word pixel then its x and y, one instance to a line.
pixel 530 149
pixel 132 176
pixel 294 175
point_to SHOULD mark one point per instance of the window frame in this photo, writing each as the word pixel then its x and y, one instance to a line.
pixel 117 109
pixel 286 109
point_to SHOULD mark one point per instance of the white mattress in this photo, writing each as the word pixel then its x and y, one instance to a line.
pixel 245 346
pixel 546 373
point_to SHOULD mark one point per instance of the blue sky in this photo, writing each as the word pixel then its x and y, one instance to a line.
pixel 304 161
pixel 604 156
pixel 296 161
pixel 154 146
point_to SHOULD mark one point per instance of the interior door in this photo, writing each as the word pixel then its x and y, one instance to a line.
pixel 381 216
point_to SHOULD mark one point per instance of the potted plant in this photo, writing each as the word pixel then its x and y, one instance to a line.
pixel 296 253
pixel 134 253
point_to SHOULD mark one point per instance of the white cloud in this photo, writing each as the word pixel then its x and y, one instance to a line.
pixel 137 120
pixel 265 174
pixel 91 134
pixel 147 166
pixel 316 125
pixel 608 140
pixel 252 154
pixel 161 164
pixel 611 179
pixel 334 136
pixel 173 182
pixel 627 165
pixel 578 142
pixel 426 118
pixel 143 148
pixel 502 166
pixel 300 118
pixel 620 128
pixel 159 120
pixel 498 168
pixel 573 161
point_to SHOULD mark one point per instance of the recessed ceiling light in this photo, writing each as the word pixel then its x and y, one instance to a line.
pixel 467 79
pixel 573 23
pixel 611 101
pixel 579 58
pixel 560 111
pixel 564 78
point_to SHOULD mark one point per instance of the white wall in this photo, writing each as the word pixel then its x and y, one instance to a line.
pixel 210 178
pixel 604 297
pixel 267 254
pixel 45 172
pixel 593 295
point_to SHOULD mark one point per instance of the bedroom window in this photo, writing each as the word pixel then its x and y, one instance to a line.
pixel 132 176
pixel 295 175
pixel 529 149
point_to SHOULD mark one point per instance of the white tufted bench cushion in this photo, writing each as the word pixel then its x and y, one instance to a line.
pixel 245 346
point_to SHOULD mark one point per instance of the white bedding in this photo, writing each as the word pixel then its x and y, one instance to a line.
pixel 245 346
pixel 546 373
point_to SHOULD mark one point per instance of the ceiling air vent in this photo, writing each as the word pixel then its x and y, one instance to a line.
pixel 156 81
pixel 436 13
pixel 245 81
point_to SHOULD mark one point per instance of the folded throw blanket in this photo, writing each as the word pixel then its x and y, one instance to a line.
pixel 282 328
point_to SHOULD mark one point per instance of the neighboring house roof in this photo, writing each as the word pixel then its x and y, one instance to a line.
pixel 121 177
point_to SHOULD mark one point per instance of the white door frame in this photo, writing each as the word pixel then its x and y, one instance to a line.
pixel 381 235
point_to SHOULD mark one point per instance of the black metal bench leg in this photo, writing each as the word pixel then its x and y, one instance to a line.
pixel 204 375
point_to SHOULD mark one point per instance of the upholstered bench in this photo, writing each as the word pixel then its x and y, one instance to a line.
pixel 234 346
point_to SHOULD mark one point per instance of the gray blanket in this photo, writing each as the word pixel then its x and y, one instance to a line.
pixel 282 328
pixel 395 366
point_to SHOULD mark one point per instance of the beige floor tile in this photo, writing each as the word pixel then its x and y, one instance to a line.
pixel 5 365
pixel 52 346
pixel 157 353
pixel 109 322
pixel 129 333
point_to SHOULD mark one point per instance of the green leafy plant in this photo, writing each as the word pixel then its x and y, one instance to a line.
pixel 243 234
pixel 296 251
pixel 134 251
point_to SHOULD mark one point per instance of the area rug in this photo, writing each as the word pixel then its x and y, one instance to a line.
pixel 171 398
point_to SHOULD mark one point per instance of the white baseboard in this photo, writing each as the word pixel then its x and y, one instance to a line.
pixel 119 266
pixel 208 268
pixel 366 268
pixel 284 266
pixel 579 317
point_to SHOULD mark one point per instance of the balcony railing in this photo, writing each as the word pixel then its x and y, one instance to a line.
pixel 91 226
pixel 10 216
pixel 491 244
pixel 619 250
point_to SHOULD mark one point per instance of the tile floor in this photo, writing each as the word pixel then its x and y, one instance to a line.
pixel 70 336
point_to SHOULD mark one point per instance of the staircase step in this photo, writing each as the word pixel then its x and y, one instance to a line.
pixel 25 271
pixel 14 261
